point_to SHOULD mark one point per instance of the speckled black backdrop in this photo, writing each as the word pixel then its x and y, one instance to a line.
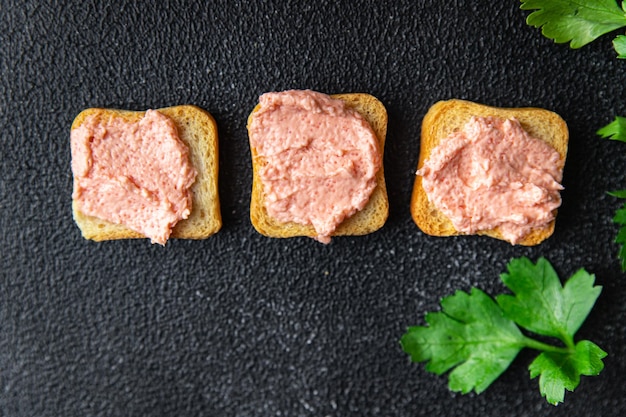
pixel 243 325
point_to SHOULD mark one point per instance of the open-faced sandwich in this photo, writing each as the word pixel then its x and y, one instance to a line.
pixel 317 164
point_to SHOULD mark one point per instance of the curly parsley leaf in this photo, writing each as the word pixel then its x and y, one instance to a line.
pixel 576 21
pixel 471 334
pixel 476 338
pixel 559 371
pixel 541 304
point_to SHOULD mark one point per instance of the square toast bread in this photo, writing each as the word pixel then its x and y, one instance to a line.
pixel 198 130
pixel 371 218
pixel 445 117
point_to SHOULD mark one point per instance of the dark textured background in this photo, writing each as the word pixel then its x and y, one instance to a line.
pixel 243 325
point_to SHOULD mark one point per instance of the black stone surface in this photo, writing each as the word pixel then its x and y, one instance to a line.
pixel 243 325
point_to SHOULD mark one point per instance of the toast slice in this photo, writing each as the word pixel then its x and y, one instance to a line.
pixel 198 130
pixel 445 117
pixel 371 218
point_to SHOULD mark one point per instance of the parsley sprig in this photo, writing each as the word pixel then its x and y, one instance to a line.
pixel 578 21
pixel 616 130
pixel 476 337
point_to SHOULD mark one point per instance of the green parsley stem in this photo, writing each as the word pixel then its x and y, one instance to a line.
pixel 537 345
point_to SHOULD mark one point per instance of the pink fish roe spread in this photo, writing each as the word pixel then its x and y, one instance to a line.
pixel 321 159
pixel 492 173
pixel 134 174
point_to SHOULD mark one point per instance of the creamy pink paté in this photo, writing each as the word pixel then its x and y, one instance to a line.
pixel 321 159
pixel 135 174
pixel 492 173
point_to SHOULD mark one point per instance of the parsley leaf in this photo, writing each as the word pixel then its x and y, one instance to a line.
pixel 618 194
pixel 476 338
pixel 541 304
pixel 620 219
pixel 616 130
pixel 576 21
pixel 470 333
pixel 619 44
pixel 559 371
